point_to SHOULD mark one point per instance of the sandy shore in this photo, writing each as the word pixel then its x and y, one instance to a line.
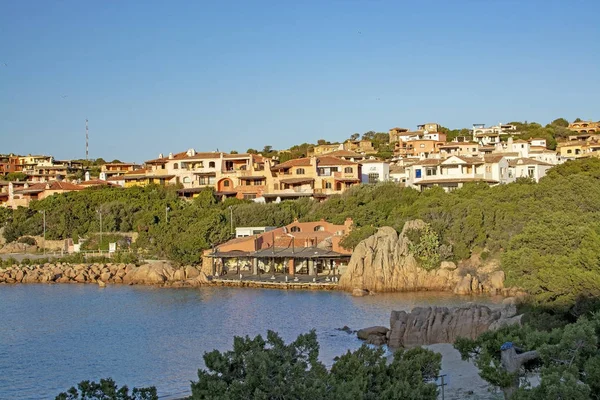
pixel 462 377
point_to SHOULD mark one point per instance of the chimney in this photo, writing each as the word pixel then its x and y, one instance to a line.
pixel 160 156
pixel 170 156
pixel 87 175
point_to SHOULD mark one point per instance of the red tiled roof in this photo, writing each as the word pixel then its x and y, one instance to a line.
pixel 95 182
pixel 298 162
pixel 328 160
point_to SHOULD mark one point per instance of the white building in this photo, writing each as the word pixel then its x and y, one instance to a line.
pixel 375 171
pixel 252 230
pixel 491 135
pixel 455 171
pixel 527 168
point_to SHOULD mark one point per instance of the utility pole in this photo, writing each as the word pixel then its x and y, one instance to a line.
pixel 44 216
pixel 87 140
pixel 231 219
pixel 100 245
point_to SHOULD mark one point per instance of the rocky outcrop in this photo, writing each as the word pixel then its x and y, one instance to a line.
pixel 163 274
pixel 384 263
pixel 430 325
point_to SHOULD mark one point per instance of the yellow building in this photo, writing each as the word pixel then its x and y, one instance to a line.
pixel 585 127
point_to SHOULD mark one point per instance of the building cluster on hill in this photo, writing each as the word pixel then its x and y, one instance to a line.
pixel 422 158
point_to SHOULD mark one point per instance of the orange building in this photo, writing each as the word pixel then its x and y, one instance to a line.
pixel 311 248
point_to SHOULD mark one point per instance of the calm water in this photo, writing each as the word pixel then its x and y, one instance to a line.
pixel 53 336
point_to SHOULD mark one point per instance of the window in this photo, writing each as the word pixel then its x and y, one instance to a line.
pixel 373 177
pixel 226 183
pixel 431 171
pixel 531 172
pixel 327 185
pixel 175 166
pixel 211 164
pixel 422 146
pixel 569 151
pixel 300 171
pixel 319 228
pixel 488 168
pixel 249 196
pixel 417 173
pixel 295 229
pixel 186 179
pixel 348 170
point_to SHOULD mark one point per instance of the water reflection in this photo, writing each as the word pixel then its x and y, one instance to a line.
pixel 53 336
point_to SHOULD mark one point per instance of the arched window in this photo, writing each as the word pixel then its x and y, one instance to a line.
pixel 175 166
pixel 300 171
pixel 186 179
pixel 295 229
pixel 319 228
pixel 211 164
pixel 348 170
pixel 226 183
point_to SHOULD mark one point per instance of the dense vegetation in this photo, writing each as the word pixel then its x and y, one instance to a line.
pixel 547 235
pixel 271 369
pixel 566 358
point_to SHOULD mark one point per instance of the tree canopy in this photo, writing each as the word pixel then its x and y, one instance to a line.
pixel 271 369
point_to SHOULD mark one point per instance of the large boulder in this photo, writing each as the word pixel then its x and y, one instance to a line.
pixel 384 263
pixel 373 330
pixel 430 325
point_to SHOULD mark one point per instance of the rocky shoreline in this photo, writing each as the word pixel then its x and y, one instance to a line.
pixel 432 325
pixel 163 274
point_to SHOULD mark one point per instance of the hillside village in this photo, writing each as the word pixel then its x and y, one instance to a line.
pixel 426 157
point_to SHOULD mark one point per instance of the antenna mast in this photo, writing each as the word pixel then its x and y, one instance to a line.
pixel 87 139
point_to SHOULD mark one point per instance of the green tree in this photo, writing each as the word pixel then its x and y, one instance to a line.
pixel 271 369
pixel 560 122
pixel 106 389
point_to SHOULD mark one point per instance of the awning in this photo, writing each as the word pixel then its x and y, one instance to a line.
pixel 347 180
pixel 298 252
pixel 225 193
pixel 205 173
pixel 252 178
pixel 292 181
pixel 230 254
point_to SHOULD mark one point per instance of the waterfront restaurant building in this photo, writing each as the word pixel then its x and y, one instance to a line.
pixel 307 248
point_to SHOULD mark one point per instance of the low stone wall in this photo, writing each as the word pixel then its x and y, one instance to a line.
pixel 163 274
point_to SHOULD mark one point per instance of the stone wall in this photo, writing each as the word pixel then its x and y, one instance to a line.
pixel 163 274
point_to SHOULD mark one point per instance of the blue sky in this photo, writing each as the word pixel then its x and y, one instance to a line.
pixel 164 76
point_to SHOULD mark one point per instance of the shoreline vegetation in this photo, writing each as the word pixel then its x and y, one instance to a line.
pixel 545 236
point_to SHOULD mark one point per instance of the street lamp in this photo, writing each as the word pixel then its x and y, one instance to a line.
pixel 100 245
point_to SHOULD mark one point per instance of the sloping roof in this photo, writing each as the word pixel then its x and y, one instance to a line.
pixel 429 161
pixel 328 160
pixel 345 153
pixel 526 161
pixel 297 162
pixel 54 185
pixel 116 178
pixel 494 158
pixel 95 182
